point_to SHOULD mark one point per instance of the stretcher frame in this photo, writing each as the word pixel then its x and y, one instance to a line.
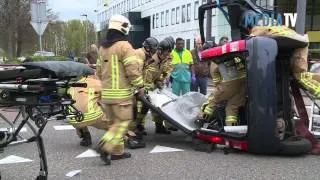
pixel 61 106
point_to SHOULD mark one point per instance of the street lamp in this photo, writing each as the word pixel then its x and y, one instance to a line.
pixel 85 15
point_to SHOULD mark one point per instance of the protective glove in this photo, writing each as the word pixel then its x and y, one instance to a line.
pixel 168 83
pixel 140 92
pixel 206 112
pixel 193 79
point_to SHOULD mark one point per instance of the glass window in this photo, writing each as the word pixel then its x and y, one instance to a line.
pixel 167 17
pixel 196 10
pixel 162 19
pixel 118 9
pixel 188 12
pixel 188 44
pixel 121 8
pixel 153 20
pixel 184 13
pixel 173 16
pixel 177 15
pixel 157 20
pixel 127 6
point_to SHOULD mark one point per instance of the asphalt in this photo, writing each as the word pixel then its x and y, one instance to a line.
pixel 62 147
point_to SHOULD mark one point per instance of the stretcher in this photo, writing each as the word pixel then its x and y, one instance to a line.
pixel 38 91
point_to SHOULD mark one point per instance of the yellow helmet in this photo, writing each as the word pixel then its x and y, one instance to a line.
pixel 120 23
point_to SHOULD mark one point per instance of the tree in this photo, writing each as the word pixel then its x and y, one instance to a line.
pixel 75 33
pixel 17 35
pixel 16 31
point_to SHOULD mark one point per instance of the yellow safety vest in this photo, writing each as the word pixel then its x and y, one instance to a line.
pixel 186 57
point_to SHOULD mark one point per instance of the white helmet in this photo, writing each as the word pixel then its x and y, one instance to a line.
pixel 120 23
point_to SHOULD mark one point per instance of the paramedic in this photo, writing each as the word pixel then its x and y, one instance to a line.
pixel 181 75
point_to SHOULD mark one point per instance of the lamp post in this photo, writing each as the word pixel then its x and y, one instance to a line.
pixel 85 15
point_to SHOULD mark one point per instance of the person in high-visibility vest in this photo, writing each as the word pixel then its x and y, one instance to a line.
pixel 181 75
pixel 120 72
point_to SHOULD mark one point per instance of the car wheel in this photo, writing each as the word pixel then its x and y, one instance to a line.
pixel 295 145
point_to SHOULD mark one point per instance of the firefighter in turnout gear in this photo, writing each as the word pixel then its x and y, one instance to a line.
pixel 149 48
pixel 155 72
pixel 87 102
pixel 120 72
pixel 299 58
pixel 229 86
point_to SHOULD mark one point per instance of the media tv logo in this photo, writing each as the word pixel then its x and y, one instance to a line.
pixel 264 20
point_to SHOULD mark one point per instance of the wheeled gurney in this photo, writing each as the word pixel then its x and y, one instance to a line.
pixel 39 91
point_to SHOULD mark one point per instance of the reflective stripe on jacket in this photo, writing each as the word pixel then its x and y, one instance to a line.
pixel 158 70
pixel 87 99
pixel 121 72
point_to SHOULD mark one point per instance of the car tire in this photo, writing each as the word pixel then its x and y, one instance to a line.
pixel 295 145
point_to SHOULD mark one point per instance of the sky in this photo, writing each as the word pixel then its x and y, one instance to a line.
pixel 72 9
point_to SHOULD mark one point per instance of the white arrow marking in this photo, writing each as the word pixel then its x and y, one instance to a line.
pixel 73 173
pixel 11 130
pixel 14 159
pixel 88 153
pixel 160 149
pixel 65 127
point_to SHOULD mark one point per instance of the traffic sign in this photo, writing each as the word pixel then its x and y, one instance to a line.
pixel 39 27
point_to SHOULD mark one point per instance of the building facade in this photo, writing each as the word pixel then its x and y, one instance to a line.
pixel 161 18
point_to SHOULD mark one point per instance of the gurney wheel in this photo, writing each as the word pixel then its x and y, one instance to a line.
pixel 5 94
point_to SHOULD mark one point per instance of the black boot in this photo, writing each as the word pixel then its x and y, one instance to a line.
pixel 160 129
pixel 141 129
pixel 135 143
pixel 86 139
pixel 125 155
pixel 104 156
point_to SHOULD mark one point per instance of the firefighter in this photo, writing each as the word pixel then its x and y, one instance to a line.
pixel 149 48
pixel 87 103
pixel 299 58
pixel 228 87
pixel 155 72
pixel 120 72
